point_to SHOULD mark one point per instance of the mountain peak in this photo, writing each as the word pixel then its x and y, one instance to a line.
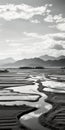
pixel 52 58
pixel 47 57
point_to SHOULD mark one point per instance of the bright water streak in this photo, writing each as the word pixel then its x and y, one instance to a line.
pixel 31 120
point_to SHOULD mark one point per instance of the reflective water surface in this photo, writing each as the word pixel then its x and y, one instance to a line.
pixel 21 87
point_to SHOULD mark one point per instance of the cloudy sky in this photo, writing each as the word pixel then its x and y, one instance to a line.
pixel 30 28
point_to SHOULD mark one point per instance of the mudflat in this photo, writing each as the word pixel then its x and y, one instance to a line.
pixel 55 117
pixel 10 115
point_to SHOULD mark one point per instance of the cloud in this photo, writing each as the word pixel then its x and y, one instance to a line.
pixel 55 36
pixel 34 35
pixel 35 21
pixel 48 41
pixel 23 11
pixel 58 20
pixel 61 26
pixel 54 19
pixel 34 44
pixel 58 47
pixel 49 18
pixel 58 36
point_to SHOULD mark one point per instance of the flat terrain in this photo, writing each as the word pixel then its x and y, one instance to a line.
pixel 32 99
pixel 9 116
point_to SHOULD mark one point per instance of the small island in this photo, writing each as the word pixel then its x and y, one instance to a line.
pixel 37 67
pixel 62 67
pixel 4 71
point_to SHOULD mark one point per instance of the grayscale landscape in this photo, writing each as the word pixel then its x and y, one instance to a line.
pixel 32 65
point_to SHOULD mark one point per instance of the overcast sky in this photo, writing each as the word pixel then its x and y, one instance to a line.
pixel 30 28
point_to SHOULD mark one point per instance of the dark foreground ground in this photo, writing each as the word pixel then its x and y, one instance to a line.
pixel 10 115
pixel 55 118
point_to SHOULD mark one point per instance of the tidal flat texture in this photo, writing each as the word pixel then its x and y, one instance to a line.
pixel 36 103
pixel 54 119
pixel 10 115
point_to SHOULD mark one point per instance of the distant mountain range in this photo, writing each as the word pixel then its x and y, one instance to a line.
pixel 46 57
pixel 34 62
pixel 6 61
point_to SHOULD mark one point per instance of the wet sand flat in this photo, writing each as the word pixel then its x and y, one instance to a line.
pixel 9 116
pixel 44 99
pixel 55 117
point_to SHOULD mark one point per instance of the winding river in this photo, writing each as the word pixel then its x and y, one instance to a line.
pixel 32 95
pixel 31 120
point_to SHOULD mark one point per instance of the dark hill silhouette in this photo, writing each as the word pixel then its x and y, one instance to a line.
pixel 36 62
pixel 33 62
